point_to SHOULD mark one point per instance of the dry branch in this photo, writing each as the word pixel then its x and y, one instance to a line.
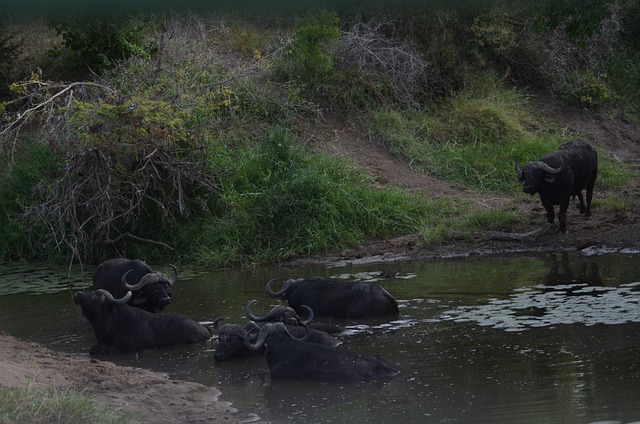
pixel 529 236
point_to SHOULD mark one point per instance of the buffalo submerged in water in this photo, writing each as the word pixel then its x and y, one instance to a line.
pixel 119 327
pixel 231 339
pixel 289 357
pixel 345 299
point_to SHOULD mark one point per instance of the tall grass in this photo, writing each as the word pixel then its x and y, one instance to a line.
pixel 30 405
pixel 476 137
pixel 281 201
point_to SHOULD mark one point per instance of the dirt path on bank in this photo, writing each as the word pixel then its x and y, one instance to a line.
pixel 154 398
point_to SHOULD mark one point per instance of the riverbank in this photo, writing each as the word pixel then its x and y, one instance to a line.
pixel 145 396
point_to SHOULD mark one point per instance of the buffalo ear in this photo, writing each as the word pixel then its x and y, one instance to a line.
pixel 549 178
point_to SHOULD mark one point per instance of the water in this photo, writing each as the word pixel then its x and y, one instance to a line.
pixel 527 339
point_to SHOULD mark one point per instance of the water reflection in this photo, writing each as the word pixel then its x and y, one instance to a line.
pixel 561 270
pixel 527 339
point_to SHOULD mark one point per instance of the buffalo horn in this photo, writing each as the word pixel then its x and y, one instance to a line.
pixel 262 336
pixel 107 295
pixel 518 170
pixel 146 279
pixel 175 275
pixel 284 288
pixel 216 324
pixel 253 317
pixel 265 330
pixel 545 167
pixel 311 316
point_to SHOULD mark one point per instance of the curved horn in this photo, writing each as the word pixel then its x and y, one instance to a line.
pixel 107 295
pixel 310 318
pixel 279 293
pixel 216 324
pixel 518 170
pixel 175 275
pixel 547 168
pixel 262 337
pixel 252 317
pixel 146 279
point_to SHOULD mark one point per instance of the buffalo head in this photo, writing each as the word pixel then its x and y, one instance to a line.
pixel 152 288
pixel 534 173
pixel 231 341
pixel 277 329
pixel 98 304
pixel 280 313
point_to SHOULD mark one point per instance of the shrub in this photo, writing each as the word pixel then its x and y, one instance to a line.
pixel 100 41
pixel 9 51
pixel 586 89
pixel 309 56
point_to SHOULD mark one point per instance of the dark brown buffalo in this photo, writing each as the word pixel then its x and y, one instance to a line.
pixel 150 288
pixel 559 175
pixel 346 299
pixel 288 357
pixel 119 327
pixel 231 339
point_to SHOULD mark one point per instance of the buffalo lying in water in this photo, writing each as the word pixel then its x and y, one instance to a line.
pixel 288 357
pixel 150 289
pixel 119 327
pixel 559 175
pixel 231 337
pixel 346 299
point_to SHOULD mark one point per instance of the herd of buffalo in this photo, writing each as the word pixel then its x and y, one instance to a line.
pixel 125 309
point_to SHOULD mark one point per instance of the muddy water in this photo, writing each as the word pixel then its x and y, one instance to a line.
pixel 527 339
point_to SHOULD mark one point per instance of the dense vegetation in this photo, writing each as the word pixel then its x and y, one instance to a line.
pixel 189 135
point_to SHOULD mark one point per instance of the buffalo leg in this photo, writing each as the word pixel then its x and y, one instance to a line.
pixel 562 215
pixel 587 212
pixel 548 206
pixel 583 209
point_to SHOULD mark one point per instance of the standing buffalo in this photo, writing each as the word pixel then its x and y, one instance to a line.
pixel 354 299
pixel 288 357
pixel 231 339
pixel 119 327
pixel 150 288
pixel 561 174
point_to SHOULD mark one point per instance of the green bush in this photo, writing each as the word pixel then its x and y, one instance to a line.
pixel 101 41
pixel 9 51
pixel 309 57
pixel 24 182
pixel 586 89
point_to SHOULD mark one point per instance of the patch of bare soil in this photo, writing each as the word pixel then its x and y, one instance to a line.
pixel 156 399
pixel 147 397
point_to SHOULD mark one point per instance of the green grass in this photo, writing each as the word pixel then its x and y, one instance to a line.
pixel 282 200
pixel 30 405
pixel 216 85
pixel 476 138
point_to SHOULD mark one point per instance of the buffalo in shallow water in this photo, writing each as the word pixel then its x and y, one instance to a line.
pixel 150 288
pixel 346 299
pixel 289 357
pixel 231 339
pixel 119 327
pixel 559 175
